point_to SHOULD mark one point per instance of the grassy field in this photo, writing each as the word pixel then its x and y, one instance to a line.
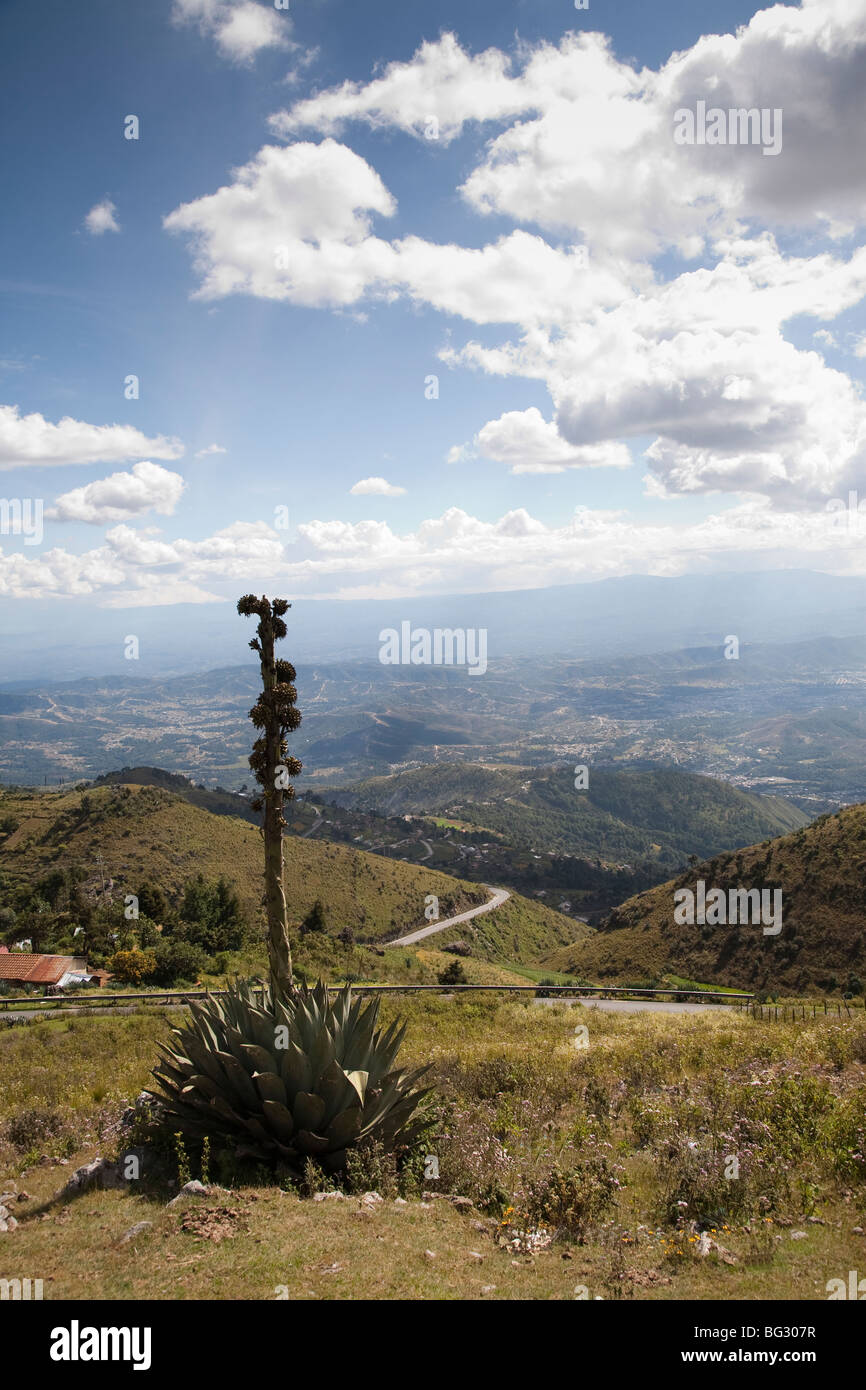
pixel 594 1162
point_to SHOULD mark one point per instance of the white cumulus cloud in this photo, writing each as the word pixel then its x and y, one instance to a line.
pixel 376 487
pixel 241 28
pixel 147 487
pixel 581 148
pixel 454 552
pixel 101 218
pixel 294 224
pixel 33 440
pixel 530 444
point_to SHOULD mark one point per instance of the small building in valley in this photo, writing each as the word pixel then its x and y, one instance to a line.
pixel 52 972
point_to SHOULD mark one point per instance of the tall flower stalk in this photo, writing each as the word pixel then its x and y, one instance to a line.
pixel 275 715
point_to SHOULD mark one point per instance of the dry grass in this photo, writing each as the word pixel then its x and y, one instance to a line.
pixel 489 1056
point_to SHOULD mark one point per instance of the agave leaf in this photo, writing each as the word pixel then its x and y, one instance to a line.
pixel 279 1119
pixel 295 1069
pixel 344 1128
pixel 259 1058
pixel 207 1062
pixel 308 1110
pixel 321 1055
pixel 178 1076
pixel 358 1080
pixel 204 1084
pixel 334 1089
pixel 264 1029
pixel 308 1143
pixel 240 1079
pixel 255 1126
pixel 270 1087
pixel 225 1111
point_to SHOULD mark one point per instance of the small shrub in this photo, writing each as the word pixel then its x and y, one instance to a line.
pixel 371 1168
pixel 473 1161
pixel 34 1127
pixel 132 967
pixel 713 1182
pixel 453 974
pixel 572 1199
pixel 314 1179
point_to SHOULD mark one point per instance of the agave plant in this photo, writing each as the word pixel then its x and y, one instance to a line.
pixel 295 1077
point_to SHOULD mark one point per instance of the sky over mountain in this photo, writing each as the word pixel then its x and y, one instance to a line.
pixel 366 301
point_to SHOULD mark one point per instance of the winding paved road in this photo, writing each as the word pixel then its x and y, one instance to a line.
pixel 500 895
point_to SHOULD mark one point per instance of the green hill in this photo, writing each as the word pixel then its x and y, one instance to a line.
pixel 820 871
pixel 659 815
pixel 217 800
pixel 119 837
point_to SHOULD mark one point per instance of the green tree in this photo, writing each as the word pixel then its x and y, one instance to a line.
pixel 274 713
pixel 147 932
pixel 453 974
pixel 212 915
pixel 315 919
pixel 151 903
pixel 177 962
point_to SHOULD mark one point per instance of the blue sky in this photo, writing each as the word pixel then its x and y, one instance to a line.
pixel 688 331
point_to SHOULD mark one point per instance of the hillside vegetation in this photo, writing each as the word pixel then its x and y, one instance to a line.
pixel 217 799
pixel 118 838
pixel 821 871
pixel 654 814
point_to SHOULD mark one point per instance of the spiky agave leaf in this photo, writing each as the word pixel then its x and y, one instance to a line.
pixel 332 1085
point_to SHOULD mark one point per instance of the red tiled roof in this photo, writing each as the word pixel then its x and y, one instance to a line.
pixel 33 969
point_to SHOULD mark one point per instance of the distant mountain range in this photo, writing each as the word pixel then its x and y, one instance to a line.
pixel 600 619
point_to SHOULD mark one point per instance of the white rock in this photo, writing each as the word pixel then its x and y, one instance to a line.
pixel 99 1173
pixel 193 1189
pixel 136 1230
